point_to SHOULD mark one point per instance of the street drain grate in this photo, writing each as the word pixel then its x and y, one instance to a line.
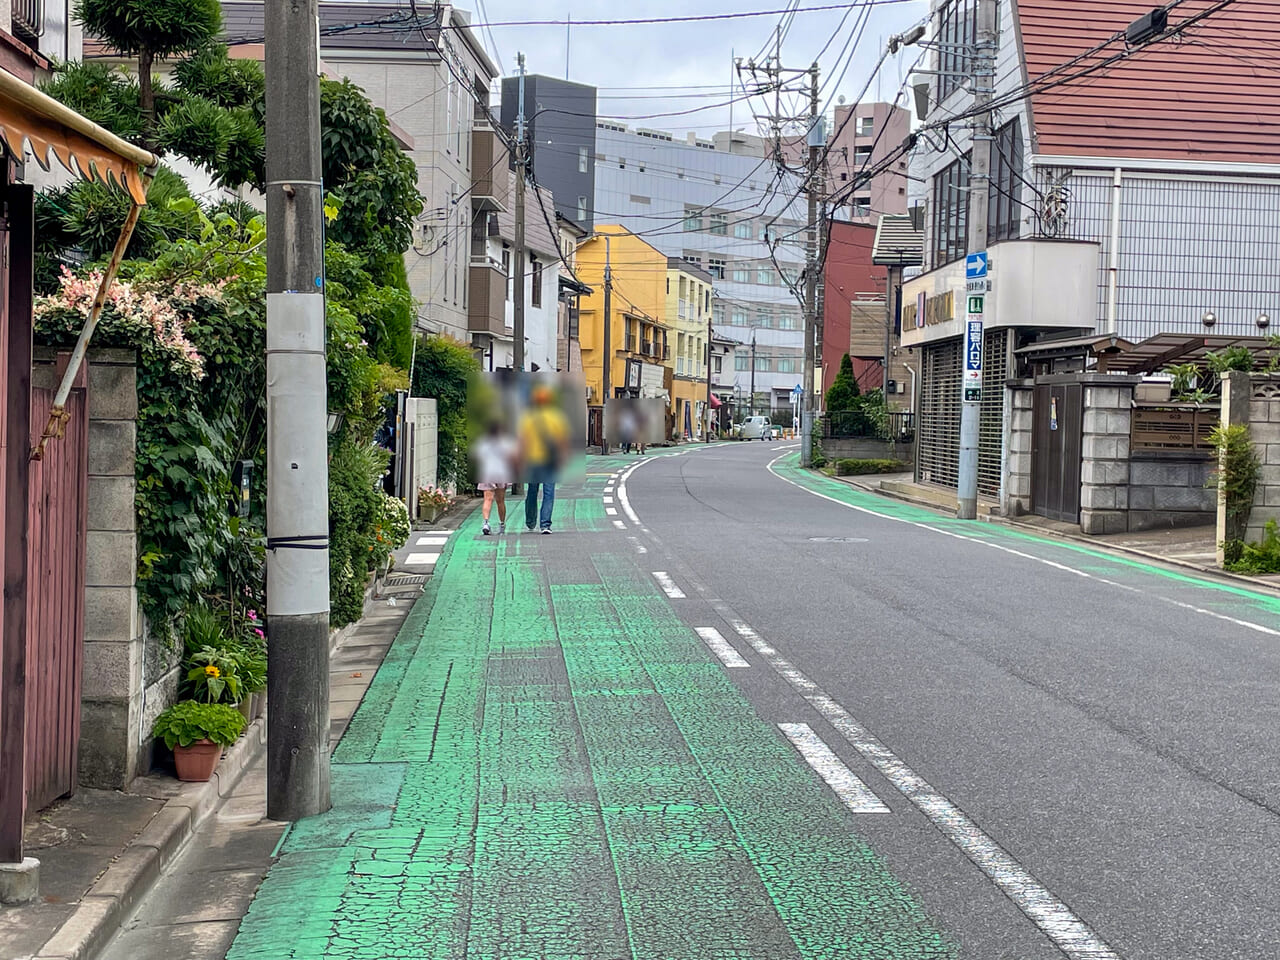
pixel 839 540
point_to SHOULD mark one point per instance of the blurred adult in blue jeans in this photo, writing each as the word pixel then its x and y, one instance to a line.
pixel 544 448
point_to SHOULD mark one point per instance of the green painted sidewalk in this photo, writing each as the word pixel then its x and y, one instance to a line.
pixel 550 764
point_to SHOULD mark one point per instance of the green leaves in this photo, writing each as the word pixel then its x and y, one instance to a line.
pixel 163 27
pixel 188 721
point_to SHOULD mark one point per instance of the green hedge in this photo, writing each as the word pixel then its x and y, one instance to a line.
pixel 858 468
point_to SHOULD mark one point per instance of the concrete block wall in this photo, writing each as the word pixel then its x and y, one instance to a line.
pixel 1018 425
pixel 114 739
pixel 1255 399
pixel 1104 453
pixel 1170 490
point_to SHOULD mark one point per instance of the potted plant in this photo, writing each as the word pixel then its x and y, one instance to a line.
pixel 197 734
pixel 432 502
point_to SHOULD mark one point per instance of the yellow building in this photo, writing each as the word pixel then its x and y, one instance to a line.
pixel 689 303
pixel 640 335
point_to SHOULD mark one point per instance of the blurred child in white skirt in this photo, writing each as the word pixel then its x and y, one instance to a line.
pixel 495 456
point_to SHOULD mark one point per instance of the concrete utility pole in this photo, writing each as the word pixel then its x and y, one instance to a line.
pixel 706 429
pixel 753 374
pixel 606 383
pixel 517 350
pixel 983 78
pixel 817 141
pixel 297 440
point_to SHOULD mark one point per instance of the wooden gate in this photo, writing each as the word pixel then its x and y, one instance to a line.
pixel 1058 419
pixel 58 487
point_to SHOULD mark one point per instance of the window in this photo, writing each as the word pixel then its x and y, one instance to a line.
pixel 866 126
pixel 787 321
pixel 742 231
pixel 582 208
pixel 957 33
pixel 741 275
pixel 720 224
pixel 622 163
pixel 951 213
pixel 506 271
pixel 764 364
pixel 786 365
pixel 1004 217
pixel 715 267
pixel 861 156
pixel 692 219
pixel 764 318
pixel 739 318
pixel 791 275
pixel 583 159
pixel 535 274
pixel 862 206
pixel 717 365
pixel 642 201
pixel 765 276
pixel 717 315
pixel 741 361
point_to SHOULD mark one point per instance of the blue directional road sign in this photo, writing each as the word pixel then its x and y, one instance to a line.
pixel 975 266
pixel 798 392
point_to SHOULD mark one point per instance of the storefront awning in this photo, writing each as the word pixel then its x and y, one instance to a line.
pixel 31 119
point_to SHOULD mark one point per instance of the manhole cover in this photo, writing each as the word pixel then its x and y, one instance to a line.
pixel 839 540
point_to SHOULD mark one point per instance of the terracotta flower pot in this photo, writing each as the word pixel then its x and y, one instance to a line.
pixel 198 761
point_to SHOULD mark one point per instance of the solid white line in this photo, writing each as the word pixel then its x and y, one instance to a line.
pixel 668 585
pixel 1257 627
pixel 619 524
pixel 431 541
pixel 857 796
pixel 421 559
pixel 610 511
pixel 721 647
pixel 1071 934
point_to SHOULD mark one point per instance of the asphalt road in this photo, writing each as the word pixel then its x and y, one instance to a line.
pixel 1077 751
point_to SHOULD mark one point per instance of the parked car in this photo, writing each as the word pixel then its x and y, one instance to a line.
pixel 754 428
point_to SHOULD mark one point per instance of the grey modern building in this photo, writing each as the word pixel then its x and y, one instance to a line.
pixel 561 118
pixel 692 199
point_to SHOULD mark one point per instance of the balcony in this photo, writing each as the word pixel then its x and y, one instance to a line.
pixel 28 20
pixel 491 185
pixel 487 309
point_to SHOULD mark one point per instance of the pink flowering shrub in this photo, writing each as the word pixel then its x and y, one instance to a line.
pixel 132 313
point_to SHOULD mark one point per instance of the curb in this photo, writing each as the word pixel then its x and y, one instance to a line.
pixel 131 875
pixel 1214 573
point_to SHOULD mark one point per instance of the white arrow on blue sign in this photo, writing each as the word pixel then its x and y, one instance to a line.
pixel 975 266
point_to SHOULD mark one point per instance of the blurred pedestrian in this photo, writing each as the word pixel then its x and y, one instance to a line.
pixel 495 456
pixel 641 427
pixel 626 425
pixel 544 448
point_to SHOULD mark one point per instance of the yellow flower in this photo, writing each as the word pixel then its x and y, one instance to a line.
pixel 212 671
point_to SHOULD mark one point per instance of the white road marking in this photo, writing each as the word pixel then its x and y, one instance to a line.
pixel 855 794
pixel 608 499
pixel 1071 934
pixel 421 559
pixel 721 647
pixel 635 542
pixel 611 511
pixel 668 585
pixel 1248 625
pixel 619 524
pixel 431 541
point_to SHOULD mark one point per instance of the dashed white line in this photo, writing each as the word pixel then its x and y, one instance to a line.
pixel 619 524
pixel 635 542
pixel 421 559
pixel 608 499
pixel 668 585
pixel 721 647
pixel 611 511
pixel 855 794
pixel 435 541
pixel 1071 934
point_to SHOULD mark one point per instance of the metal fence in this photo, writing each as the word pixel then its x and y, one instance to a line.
pixel 857 425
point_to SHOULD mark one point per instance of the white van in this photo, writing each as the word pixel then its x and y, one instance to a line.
pixel 754 428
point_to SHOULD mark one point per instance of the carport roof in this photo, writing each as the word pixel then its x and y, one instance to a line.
pixel 1164 349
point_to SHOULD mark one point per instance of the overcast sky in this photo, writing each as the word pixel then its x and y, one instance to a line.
pixel 629 63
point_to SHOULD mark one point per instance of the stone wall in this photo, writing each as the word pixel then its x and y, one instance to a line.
pixel 1170 489
pixel 1018 424
pixel 1254 399
pixel 1104 453
pixel 852 448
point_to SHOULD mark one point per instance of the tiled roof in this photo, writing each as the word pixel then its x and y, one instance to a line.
pixel 1213 95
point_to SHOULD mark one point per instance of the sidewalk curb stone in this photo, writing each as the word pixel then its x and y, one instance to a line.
pixel 131 875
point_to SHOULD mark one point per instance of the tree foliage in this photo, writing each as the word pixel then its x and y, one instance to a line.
pixel 447 369
pixel 842 395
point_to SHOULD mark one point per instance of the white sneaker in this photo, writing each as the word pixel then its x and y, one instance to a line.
pixel 502 528
pixel 485 529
